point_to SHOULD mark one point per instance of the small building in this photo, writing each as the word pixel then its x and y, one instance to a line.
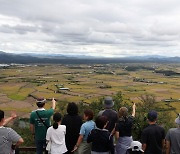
pixel 63 88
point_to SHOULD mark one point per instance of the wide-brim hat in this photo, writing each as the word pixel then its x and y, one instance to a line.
pixel 40 100
pixel 136 146
pixel 177 120
pixel 108 102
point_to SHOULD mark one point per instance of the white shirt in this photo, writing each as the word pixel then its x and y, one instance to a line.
pixel 57 138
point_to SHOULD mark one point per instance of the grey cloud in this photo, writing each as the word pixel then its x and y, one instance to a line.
pixel 112 27
pixel 20 29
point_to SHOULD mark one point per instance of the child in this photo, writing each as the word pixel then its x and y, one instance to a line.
pixel 102 141
pixel 82 146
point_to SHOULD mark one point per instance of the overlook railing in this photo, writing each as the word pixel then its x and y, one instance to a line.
pixel 26 150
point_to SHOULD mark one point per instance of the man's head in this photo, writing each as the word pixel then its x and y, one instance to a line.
pixel 40 102
pixel 108 102
pixel 177 120
pixel 152 116
pixel 1 115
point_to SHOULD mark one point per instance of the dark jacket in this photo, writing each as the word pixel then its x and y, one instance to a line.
pixel 73 124
pixel 102 141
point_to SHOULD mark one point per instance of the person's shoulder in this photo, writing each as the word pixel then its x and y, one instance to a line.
pixel 109 111
pixel 50 128
pixel 8 129
pixel 160 127
pixel 92 122
pixel 147 128
pixel 131 117
pixel 33 112
pixel 63 126
pixel 84 124
pixel 49 110
pixel 114 111
pixel 173 129
pixel 101 112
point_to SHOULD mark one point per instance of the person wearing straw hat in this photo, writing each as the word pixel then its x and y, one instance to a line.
pixel 40 122
pixel 173 138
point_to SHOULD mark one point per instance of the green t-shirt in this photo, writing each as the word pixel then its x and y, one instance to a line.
pixel 40 129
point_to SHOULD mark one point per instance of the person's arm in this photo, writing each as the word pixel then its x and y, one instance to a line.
pixel 12 117
pixel 163 145
pixel 144 140
pixel 133 109
pixel 111 145
pixel 168 146
pixel 78 143
pixel 144 146
pixel 117 134
pixel 53 104
pixel 32 129
pixel 20 141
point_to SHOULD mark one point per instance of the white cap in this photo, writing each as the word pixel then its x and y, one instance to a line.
pixel 136 146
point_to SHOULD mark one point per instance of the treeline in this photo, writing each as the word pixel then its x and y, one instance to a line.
pixel 167 72
pixel 136 68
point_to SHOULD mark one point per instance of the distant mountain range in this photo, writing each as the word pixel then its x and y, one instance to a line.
pixel 31 58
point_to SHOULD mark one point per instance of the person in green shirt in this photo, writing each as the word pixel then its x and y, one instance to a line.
pixel 39 123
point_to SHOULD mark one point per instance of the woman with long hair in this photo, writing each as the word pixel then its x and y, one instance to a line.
pixel 73 123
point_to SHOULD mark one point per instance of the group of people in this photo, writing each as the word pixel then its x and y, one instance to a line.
pixel 110 133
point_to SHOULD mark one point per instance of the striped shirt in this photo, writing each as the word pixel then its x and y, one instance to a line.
pixel 7 137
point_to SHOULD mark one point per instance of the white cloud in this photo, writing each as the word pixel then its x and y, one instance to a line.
pixel 103 27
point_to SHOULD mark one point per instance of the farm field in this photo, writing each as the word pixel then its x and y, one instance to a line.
pixel 21 84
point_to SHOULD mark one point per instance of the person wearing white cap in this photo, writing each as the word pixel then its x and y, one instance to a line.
pixel 40 122
pixel 173 138
pixel 135 148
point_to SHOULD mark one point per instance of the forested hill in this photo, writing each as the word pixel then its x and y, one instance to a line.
pixel 7 58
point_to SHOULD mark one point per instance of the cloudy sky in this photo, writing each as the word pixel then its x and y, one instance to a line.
pixel 108 28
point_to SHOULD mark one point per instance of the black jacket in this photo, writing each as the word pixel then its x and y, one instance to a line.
pixel 102 141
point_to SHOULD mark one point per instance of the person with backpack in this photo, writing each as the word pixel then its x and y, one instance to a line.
pixel 40 122
pixel 101 138
pixel 111 114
